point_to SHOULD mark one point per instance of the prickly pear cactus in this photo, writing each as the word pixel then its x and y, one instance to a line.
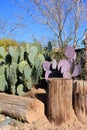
pixel 38 66
pixel 27 48
pixel 15 57
pixel 22 53
pixel 41 58
pixel 11 77
pixel 21 66
pixel 2 69
pixel 11 51
pixel 3 83
pixel 27 72
pixel 28 83
pixel 20 90
pixel 2 52
pixel 32 55
pixel 34 50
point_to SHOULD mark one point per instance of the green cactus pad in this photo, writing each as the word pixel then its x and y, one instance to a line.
pixel 27 72
pixel 13 89
pixel 27 48
pixel 22 54
pixel 34 50
pixel 41 57
pixel 16 56
pixel 38 66
pixel 14 66
pixel 11 75
pixel 37 63
pixel 29 83
pixel 21 66
pixel 11 51
pixel 21 90
pixel 31 58
pixel 3 83
pixel 34 76
pixel 2 69
pixel 2 51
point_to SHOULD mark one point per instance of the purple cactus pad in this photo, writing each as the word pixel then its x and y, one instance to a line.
pixel 47 74
pixel 64 65
pixel 54 64
pixel 70 52
pixel 46 65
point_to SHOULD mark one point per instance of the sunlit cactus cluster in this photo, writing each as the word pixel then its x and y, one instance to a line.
pixel 66 68
pixel 20 68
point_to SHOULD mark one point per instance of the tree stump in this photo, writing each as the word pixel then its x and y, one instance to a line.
pixel 80 100
pixel 59 100
pixel 23 108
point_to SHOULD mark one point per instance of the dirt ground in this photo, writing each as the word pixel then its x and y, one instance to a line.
pixel 43 123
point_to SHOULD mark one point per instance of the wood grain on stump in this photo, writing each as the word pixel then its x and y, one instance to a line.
pixel 59 100
pixel 23 108
pixel 80 100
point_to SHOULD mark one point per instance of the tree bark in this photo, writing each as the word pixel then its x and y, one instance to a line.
pixel 59 100
pixel 23 108
pixel 80 100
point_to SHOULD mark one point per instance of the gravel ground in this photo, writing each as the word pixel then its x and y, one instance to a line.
pixel 7 123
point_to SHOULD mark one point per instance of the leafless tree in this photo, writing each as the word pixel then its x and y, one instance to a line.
pixel 80 17
pixel 61 16
pixel 8 28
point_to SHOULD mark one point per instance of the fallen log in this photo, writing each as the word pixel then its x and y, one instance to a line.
pixel 59 100
pixel 22 108
pixel 80 100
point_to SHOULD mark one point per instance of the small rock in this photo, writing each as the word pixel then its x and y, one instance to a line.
pixel 5 122
pixel 2 117
pixel 6 127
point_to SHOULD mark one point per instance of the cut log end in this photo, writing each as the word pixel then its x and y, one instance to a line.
pixel 35 111
pixel 22 108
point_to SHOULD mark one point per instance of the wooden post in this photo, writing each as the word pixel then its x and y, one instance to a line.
pixel 59 100
pixel 85 43
pixel 80 100
pixel 86 59
pixel 23 108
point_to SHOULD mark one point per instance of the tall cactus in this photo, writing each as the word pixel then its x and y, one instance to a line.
pixel 19 73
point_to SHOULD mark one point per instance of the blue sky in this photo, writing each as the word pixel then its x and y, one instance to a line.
pixel 10 13
pixel 31 30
